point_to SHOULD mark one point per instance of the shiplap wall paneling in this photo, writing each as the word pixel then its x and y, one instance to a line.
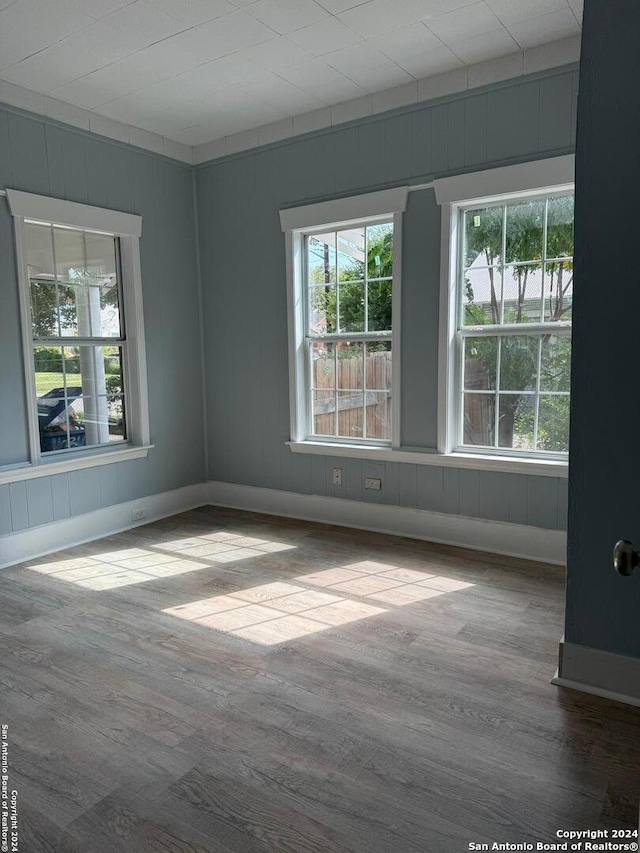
pixel 43 157
pixel 244 291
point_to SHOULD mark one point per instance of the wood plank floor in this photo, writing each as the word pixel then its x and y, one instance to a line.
pixel 224 681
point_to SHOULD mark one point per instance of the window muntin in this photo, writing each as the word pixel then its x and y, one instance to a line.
pixel 348 277
pixel 78 337
pixel 513 334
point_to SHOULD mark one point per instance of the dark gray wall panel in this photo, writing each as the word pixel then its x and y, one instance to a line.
pixel 556 104
pixel 19 507
pixel 28 151
pixel 55 160
pixel 6 170
pixel 39 501
pixel 398 149
pixel 602 607
pixel 475 130
pixel 5 509
pixel 420 307
pixel 421 145
pixel 60 496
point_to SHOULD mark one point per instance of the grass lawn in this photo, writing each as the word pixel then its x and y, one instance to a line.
pixel 46 381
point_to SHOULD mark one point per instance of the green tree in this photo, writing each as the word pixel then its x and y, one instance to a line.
pixel 348 295
pixel 510 239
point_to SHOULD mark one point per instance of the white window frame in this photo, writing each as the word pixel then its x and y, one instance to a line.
pixel 455 194
pixel 128 228
pixel 298 223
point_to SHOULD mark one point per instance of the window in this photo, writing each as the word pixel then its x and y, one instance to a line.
pixel 510 302
pixel 348 285
pixel 85 368
pixel 343 286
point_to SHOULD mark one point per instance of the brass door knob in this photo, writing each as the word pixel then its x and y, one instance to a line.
pixel 626 557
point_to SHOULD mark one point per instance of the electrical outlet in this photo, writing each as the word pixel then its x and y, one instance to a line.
pixel 138 514
pixel 373 483
pixel 337 476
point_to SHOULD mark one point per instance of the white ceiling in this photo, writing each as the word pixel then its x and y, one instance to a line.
pixel 194 71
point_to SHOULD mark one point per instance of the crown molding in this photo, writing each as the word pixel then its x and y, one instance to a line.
pixel 92 122
pixel 541 58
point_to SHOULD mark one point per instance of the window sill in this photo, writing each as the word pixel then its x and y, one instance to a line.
pixel 74 463
pixel 482 462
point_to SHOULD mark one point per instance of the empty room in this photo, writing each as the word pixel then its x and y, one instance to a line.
pixel 315 351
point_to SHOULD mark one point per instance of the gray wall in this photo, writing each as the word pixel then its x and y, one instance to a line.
pixel 602 608
pixel 40 156
pixel 244 299
pixel 244 290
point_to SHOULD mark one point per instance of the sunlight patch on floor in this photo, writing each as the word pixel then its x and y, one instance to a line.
pixel 112 569
pixel 381 582
pixel 276 612
pixel 273 612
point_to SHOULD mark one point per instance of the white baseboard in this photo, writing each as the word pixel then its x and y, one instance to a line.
pixel 37 541
pixel 513 540
pixel 598 672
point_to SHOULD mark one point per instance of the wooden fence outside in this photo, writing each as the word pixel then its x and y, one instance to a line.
pixel 356 392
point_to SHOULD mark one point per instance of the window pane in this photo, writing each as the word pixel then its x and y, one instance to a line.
pixel 44 309
pixel 349 284
pixel 528 280
pixel 560 227
pixel 323 365
pixel 378 402
pixel 522 291
pixel 380 251
pixel 558 291
pixel 378 365
pixel 351 255
pixel 86 265
pixel 89 312
pixel 322 309
pixel 378 415
pixel 516 426
pixel 351 307
pixel 350 365
pixel 483 236
pixel 38 241
pixel 323 407
pixel 379 305
pixel 482 295
pixel 321 258
pixel 40 269
pixel 79 396
pixel 479 412
pixel 350 413
pixel 350 381
pixel 553 424
pixel 555 374
pixel 524 231
pixel 519 363
pixel 480 363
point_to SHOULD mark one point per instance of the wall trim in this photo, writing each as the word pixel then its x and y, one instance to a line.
pixel 62 212
pixel 66 533
pixel 531 64
pixel 336 212
pixel 497 537
pixel 598 672
pixel 534 176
